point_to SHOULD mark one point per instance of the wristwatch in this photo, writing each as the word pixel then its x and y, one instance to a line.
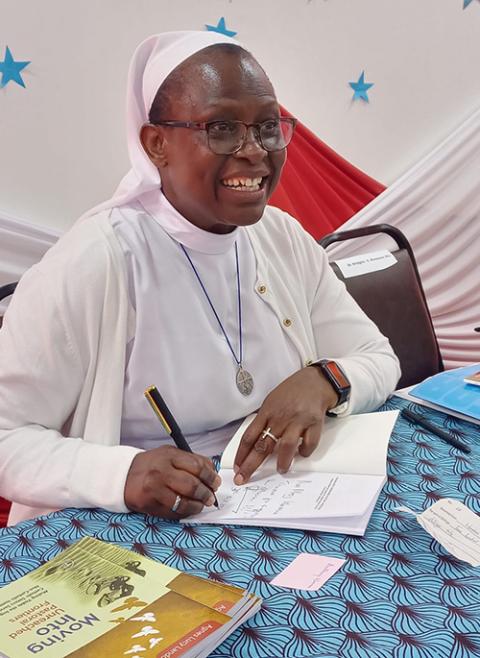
pixel 339 381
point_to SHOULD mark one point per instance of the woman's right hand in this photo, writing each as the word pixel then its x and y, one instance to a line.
pixel 156 477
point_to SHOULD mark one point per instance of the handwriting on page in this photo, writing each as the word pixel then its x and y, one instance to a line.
pixel 294 496
pixel 455 527
pixel 275 495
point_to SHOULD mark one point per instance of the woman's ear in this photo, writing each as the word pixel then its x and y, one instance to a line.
pixel 153 142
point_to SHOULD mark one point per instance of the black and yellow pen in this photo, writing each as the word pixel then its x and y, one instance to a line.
pixel 165 416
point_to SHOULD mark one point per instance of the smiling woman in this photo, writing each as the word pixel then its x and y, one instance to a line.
pixel 188 280
pixel 235 117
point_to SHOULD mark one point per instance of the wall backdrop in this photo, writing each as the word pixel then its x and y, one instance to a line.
pixel 62 136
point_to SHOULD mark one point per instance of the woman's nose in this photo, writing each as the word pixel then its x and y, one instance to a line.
pixel 252 148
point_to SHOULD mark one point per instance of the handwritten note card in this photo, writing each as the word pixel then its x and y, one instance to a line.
pixel 454 526
pixel 308 571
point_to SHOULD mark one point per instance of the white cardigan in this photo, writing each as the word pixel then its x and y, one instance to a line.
pixel 62 357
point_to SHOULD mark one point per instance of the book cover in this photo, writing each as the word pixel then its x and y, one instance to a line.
pixel 449 391
pixel 221 597
pixel 96 599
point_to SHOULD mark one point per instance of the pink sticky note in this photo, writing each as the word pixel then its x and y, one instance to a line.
pixel 308 571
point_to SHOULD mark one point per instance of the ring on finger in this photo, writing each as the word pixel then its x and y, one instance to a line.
pixel 268 433
pixel 176 504
pixel 261 443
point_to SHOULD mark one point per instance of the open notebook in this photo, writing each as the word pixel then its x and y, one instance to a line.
pixel 334 490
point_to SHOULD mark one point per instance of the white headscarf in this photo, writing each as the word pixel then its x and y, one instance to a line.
pixel 153 61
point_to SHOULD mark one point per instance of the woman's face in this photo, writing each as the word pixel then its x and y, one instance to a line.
pixel 202 186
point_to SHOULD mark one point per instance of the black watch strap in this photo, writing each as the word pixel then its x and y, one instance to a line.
pixel 335 374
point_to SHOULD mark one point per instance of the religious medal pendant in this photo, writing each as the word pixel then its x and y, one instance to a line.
pixel 244 381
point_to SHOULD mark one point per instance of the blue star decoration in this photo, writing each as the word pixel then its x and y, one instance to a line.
pixel 10 70
pixel 466 3
pixel 360 88
pixel 221 28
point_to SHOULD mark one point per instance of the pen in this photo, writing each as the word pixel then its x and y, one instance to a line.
pixel 168 421
pixel 426 424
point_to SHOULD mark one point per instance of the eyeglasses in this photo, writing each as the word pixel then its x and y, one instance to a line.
pixel 227 137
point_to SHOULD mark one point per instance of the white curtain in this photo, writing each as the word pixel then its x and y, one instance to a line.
pixel 21 245
pixel 437 205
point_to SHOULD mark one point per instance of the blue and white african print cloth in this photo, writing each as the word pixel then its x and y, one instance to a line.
pixel 398 594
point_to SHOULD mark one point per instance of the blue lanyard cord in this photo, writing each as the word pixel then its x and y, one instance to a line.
pixel 238 362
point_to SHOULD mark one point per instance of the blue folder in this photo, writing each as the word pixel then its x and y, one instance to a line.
pixel 447 389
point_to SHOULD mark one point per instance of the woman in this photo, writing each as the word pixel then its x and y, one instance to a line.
pixel 185 279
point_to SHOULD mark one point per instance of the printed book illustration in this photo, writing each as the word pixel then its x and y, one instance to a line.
pixel 334 490
pixel 96 599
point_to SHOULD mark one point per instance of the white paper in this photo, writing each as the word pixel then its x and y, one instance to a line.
pixel 364 263
pixel 297 495
pixel 354 445
pixel 455 527
pixel 346 525
pixel 308 571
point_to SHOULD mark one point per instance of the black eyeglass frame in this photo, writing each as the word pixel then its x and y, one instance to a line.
pixel 205 125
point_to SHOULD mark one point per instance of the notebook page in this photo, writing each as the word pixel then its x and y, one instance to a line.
pixel 293 496
pixel 354 445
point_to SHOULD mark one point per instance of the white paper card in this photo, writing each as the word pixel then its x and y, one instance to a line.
pixel 308 571
pixel 364 263
pixel 455 527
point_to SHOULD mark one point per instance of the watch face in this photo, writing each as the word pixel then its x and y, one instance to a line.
pixel 337 374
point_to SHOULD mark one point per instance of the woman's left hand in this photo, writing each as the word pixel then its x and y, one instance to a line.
pixel 293 413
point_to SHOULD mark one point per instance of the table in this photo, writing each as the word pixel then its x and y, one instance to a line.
pixel 398 594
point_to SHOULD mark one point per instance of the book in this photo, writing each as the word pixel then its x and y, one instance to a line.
pixel 450 392
pixel 96 599
pixel 334 490
pixel 473 379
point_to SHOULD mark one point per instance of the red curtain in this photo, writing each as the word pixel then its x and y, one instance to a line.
pixel 320 188
pixel 4 509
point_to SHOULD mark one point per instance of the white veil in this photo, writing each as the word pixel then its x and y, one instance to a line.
pixel 153 60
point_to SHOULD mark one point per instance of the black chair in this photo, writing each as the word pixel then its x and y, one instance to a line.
pixel 395 300
pixel 5 291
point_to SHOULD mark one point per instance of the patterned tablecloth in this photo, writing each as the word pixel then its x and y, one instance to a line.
pixel 398 594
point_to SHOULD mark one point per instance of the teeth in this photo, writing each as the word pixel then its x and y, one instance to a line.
pixel 252 184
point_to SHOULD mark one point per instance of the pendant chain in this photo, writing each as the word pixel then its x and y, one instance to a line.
pixel 237 361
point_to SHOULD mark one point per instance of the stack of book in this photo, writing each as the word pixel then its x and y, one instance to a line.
pixel 96 599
